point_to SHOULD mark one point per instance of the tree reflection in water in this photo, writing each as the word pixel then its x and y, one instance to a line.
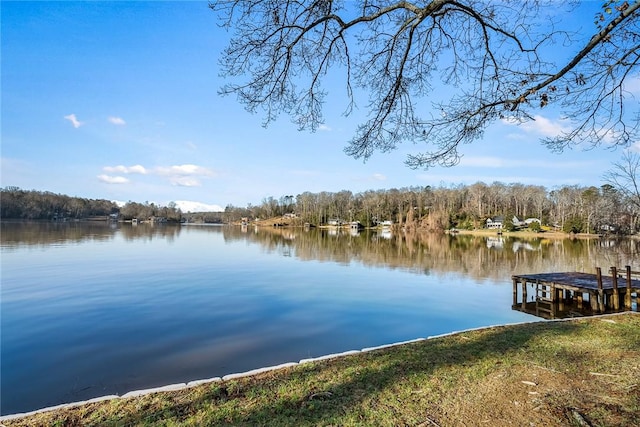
pixel 480 257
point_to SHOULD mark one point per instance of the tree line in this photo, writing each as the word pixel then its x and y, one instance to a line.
pixel 44 205
pixel 614 207
pixel 577 209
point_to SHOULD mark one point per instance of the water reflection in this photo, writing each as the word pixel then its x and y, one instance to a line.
pixel 18 234
pixel 479 257
pixel 562 310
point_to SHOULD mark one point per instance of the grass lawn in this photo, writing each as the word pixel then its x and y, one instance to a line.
pixel 582 372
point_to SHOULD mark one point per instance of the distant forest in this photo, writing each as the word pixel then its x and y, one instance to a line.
pixel 574 209
pixel 569 208
pixel 43 205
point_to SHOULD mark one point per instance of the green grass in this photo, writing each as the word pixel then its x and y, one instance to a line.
pixel 544 374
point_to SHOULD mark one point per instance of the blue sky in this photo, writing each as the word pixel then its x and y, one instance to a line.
pixel 118 100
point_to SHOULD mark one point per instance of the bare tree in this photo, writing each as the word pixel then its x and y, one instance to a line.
pixel 625 177
pixel 494 56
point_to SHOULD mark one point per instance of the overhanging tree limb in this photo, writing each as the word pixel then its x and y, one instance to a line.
pixel 492 54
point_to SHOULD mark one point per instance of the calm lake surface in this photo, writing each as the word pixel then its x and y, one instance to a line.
pixel 96 309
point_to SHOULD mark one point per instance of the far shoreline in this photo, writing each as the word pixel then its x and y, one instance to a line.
pixel 528 234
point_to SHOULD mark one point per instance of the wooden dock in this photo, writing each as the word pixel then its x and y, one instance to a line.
pixel 556 295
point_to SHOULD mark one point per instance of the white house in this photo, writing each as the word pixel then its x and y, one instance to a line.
pixel 495 222
pixel 530 221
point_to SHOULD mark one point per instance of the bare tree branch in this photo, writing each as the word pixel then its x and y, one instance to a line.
pixel 491 55
pixel 625 177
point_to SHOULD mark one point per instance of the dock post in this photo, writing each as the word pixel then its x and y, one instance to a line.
pixel 515 290
pixel 580 299
pixel 593 301
pixel 627 295
pixel 616 294
pixel 524 293
pixel 560 298
pixel 600 297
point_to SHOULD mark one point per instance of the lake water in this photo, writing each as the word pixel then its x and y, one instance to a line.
pixel 95 309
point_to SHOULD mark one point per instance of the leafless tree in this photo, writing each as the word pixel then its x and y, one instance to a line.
pixel 496 58
pixel 625 177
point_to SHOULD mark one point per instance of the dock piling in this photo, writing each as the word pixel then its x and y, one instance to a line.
pixel 615 295
pixel 627 295
pixel 600 296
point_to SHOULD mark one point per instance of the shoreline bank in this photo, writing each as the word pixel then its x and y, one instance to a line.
pixel 281 367
pixel 549 372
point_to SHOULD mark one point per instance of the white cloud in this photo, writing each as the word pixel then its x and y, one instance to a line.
pixel 516 136
pixel 632 85
pixel 324 128
pixel 608 136
pixel 107 179
pixel 74 120
pixel 185 181
pixel 119 121
pixel 184 170
pixel 635 147
pixel 180 175
pixel 379 177
pixel 189 206
pixel 540 126
pixel 126 169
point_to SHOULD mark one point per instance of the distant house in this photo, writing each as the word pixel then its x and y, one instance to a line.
pixel 386 223
pixel 356 225
pixel 495 223
pixel 335 222
pixel 290 215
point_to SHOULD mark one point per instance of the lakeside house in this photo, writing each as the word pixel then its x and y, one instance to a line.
pixel 497 222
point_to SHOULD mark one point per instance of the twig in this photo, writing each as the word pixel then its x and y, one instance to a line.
pixel 428 422
pixel 603 375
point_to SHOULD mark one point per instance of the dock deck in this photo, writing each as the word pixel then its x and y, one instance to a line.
pixel 553 295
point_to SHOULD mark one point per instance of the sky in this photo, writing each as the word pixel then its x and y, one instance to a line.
pixel 119 101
